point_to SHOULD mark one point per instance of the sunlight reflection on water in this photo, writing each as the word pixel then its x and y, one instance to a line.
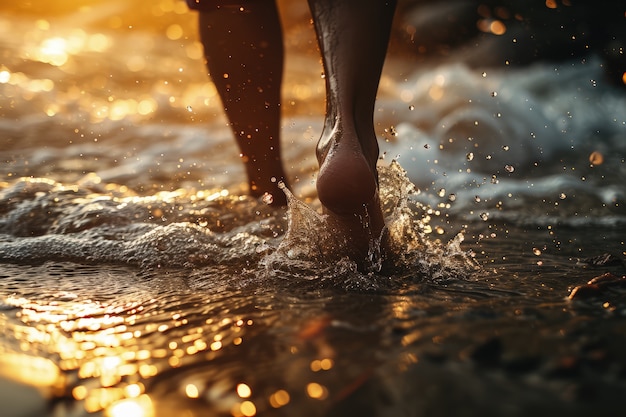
pixel 109 118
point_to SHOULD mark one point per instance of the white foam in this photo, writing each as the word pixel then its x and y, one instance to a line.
pixel 520 131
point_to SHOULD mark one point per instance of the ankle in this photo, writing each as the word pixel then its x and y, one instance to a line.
pixel 346 183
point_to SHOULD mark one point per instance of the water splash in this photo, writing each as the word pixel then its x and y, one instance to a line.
pixel 311 243
pixel 89 222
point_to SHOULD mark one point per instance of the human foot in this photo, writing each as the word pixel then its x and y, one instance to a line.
pixel 347 187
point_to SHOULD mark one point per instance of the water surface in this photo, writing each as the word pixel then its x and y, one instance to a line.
pixel 138 279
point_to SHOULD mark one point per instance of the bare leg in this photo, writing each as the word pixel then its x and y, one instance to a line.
pixel 244 50
pixel 353 37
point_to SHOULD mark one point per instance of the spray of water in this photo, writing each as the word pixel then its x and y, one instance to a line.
pixel 44 220
pixel 312 243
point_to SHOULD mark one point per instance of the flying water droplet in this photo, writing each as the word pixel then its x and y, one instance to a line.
pixel 268 198
pixel 596 158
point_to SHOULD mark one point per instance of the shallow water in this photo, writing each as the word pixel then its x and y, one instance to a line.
pixel 137 279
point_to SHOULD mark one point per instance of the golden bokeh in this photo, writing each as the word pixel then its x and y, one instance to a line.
pixel 316 391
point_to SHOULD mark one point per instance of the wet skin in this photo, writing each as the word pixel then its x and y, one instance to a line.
pixel 244 52
pixel 244 55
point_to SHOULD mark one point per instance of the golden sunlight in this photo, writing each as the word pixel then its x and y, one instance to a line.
pixel 244 390
pixel 245 409
pixel 31 370
pixel 54 51
pixel 5 76
pixel 192 391
pixel 136 407
pixel 279 399
pixel 317 391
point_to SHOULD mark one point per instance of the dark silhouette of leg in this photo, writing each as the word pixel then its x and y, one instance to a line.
pixel 353 37
pixel 244 51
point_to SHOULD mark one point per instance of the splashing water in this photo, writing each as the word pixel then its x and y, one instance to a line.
pixel 44 220
pixel 191 276
pixel 151 287
pixel 312 244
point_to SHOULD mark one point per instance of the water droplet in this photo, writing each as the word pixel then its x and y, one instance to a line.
pixel 562 196
pixel 392 131
pixel 189 109
pixel 509 168
pixel 537 251
pixel 494 94
pixel 411 107
pixel 477 199
pixel 505 148
pixel 442 192
pixel 469 156
pixel 596 158
pixel 426 146
pixel 484 216
pixel 494 179
pixel 452 197
pixel 268 198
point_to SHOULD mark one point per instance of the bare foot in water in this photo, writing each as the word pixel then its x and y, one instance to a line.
pixel 353 37
pixel 347 186
pixel 244 51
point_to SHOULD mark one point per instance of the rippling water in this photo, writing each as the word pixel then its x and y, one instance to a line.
pixel 137 279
